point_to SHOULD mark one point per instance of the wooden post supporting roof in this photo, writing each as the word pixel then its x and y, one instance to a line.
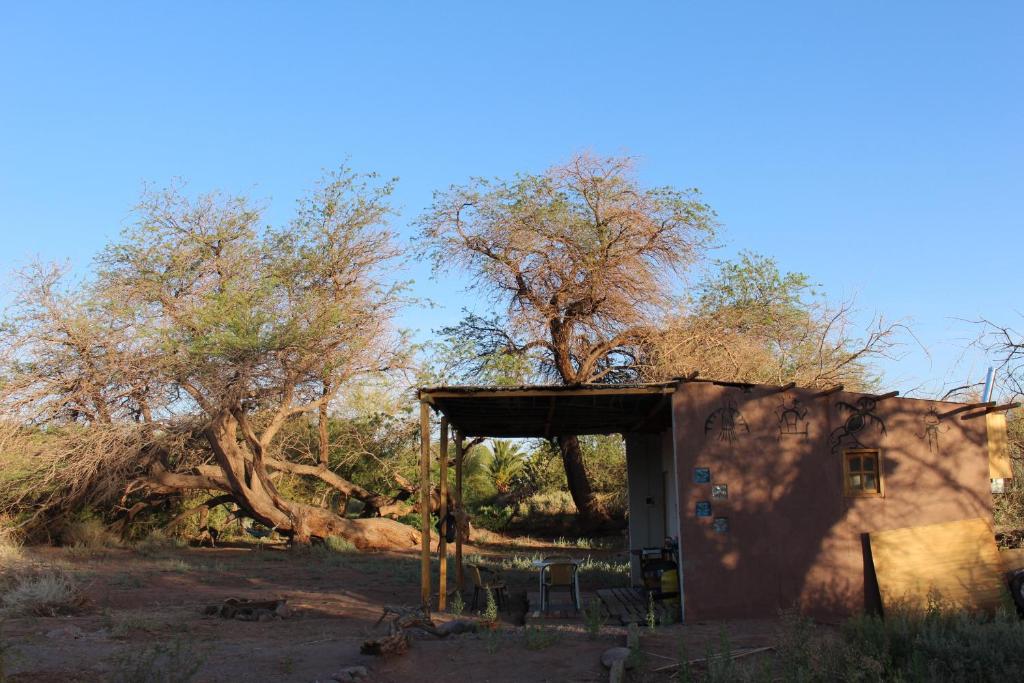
pixel 442 515
pixel 459 512
pixel 425 505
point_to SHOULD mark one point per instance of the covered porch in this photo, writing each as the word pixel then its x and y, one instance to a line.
pixel 641 413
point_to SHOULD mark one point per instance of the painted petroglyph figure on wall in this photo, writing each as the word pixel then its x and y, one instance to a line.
pixel 932 427
pixel 861 419
pixel 793 419
pixel 727 421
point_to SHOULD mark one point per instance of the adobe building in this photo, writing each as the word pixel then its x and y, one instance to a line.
pixel 769 491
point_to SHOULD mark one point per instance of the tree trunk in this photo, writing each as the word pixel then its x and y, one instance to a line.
pixel 247 481
pixel 593 516
pixel 322 419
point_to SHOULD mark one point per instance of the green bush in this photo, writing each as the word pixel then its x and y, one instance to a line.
pixel 495 518
pixel 413 519
pixel 337 544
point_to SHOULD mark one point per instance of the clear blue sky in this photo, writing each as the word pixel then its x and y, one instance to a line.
pixel 877 146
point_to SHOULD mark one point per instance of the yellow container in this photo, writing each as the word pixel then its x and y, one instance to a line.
pixel 670 584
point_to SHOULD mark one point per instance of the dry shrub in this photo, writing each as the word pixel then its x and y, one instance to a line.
pixel 89 534
pixel 10 544
pixel 157 543
pixel 547 504
pixel 47 477
pixel 45 593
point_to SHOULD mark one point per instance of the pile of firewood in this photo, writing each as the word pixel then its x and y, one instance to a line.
pixel 249 610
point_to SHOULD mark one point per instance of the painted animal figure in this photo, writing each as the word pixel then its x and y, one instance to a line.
pixel 860 418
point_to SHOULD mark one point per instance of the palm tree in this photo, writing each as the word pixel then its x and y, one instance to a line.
pixel 506 463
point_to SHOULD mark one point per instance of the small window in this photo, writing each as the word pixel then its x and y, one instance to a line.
pixel 862 472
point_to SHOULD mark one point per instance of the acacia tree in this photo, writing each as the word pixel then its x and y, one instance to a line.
pixel 237 330
pixel 1006 345
pixel 582 262
pixel 753 323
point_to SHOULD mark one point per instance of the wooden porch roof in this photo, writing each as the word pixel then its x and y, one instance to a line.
pixel 546 411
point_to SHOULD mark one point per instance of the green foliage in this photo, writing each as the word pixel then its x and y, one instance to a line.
pixel 176 661
pixel 752 322
pixel 490 613
pixel 548 504
pixel 495 518
pixel 367 447
pixel 533 481
pixel 506 463
pixel 652 616
pixel 684 674
pixel 722 667
pixel 415 520
pixel 457 605
pixel 593 617
pixel 337 544
pixel 756 291
pixel 460 358
pixel 540 638
pixel 605 460
pixel 935 645
pixel 493 638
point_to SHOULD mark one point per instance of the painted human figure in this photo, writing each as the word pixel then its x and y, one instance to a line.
pixel 790 419
pixel 729 421
pixel 932 426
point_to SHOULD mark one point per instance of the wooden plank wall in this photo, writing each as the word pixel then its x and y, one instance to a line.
pixel 955 562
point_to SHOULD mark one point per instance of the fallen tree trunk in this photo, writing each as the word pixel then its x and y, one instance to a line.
pixel 243 474
pixel 376 503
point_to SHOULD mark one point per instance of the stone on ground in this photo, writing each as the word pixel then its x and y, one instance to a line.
pixel 616 654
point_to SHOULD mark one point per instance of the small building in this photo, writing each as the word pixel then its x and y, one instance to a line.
pixel 769 491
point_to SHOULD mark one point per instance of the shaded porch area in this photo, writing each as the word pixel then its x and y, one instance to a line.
pixel 641 413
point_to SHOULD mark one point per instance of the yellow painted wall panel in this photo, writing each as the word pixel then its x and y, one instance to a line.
pixel 955 562
pixel 998 447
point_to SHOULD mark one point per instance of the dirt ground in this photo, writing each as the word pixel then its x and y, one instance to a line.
pixel 144 621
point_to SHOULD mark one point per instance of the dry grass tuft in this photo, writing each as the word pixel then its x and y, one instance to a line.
pixel 10 545
pixel 45 593
pixel 157 544
pixel 89 534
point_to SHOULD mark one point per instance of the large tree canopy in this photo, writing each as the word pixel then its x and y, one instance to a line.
pixel 200 319
pixel 750 322
pixel 581 262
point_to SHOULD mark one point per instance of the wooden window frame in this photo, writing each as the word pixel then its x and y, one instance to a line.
pixel 850 492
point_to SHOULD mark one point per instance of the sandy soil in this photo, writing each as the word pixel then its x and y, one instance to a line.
pixel 144 622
